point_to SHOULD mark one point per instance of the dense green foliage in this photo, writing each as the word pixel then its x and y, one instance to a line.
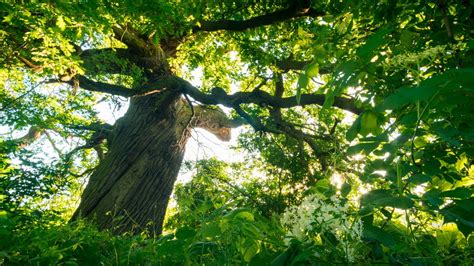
pixel 390 180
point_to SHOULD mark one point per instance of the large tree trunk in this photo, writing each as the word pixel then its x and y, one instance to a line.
pixel 130 189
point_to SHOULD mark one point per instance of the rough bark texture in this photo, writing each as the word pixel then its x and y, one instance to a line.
pixel 130 189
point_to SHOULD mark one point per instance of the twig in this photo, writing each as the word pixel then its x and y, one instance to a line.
pixel 50 139
pixel 183 134
pixel 21 96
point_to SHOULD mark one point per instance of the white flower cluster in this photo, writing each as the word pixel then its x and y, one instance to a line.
pixel 316 216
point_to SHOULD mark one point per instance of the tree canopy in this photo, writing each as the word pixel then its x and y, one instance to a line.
pixel 358 136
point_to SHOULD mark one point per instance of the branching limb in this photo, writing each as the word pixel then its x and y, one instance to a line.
pixel 300 8
pixel 289 128
pixel 145 53
pixel 30 64
pixel 215 121
pixel 219 96
pixel 33 134
pixel 103 127
pixel 53 144
pixel 256 124
pixel 98 86
pixel 291 64
pixel 94 142
pixel 131 38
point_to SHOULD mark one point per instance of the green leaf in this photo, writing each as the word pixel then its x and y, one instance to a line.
pixel 285 257
pixel 250 249
pixel 431 167
pixel 460 212
pixel 451 81
pixel 171 247
pixel 185 232
pixel 368 123
pixel 345 189
pixel 353 130
pixel 419 179
pixel 378 234
pixel 462 162
pixel 156 39
pixel 312 70
pixel 365 147
pixel 347 69
pixel 384 198
pixel 302 84
pixel 431 198
pixel 200 248
pixel 244 215
pixel 460 193
pixel 448 236
pixel 210 230
pixel 373 42
pixel 60 23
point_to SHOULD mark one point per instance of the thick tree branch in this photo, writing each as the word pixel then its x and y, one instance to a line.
pixel 131 38
pixel 98 86
pixel 219 96
pixel 291 64
pixel 296 9
pixel 143 51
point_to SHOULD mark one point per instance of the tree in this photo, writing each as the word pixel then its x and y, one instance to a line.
pixel 341 57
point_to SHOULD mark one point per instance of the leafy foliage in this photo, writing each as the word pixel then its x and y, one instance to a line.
pixel 401 162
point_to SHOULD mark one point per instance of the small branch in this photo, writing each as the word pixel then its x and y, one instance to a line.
pixel 55 147
pixel 290 64
pixel 21 96
pixel 191 117
pixel 259 86
pixel 447 23
pixel 254 123
pixel 279 87
pixel 102 127
pixel 96 139
pixel 289 128
pixel 333 129
pixel 30 64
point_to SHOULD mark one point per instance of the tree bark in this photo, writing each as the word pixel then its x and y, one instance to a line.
pixel 130 189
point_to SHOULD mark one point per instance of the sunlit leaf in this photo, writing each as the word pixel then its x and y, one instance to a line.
pixel 384 198
pixel 451 81
pixel 376 233
pixel 461 212
pixel 312 70
pixel 302 84
pixel 373 42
